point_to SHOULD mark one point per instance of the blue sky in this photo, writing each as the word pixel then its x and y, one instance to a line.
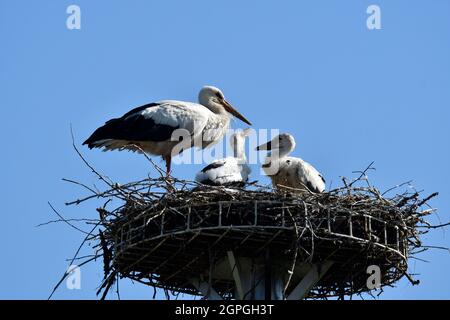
pixel 349 95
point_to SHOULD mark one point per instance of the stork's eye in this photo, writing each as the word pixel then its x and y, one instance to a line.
pixel 219 95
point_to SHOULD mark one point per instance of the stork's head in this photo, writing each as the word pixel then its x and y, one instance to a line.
pixel 282 144
pixel 212 98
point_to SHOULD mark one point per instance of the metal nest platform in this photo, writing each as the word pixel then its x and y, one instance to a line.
pixel 177 247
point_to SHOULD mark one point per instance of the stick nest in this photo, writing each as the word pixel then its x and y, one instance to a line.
pixel 167 233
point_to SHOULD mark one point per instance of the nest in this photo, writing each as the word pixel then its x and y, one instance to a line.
pixel 166 233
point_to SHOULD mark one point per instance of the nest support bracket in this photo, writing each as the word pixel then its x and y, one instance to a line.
pixel 312 277
pixel 264 281
pixel 206 289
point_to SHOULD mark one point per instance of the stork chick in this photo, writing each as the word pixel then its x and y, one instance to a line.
pixel 230 171
pixel 284 171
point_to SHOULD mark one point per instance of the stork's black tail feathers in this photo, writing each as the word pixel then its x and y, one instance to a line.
pixel 108 131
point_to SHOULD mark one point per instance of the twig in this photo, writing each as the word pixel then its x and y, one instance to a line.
pixel 65 220
pixel 73 259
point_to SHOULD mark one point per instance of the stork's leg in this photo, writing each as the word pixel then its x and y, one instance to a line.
pixel 168 160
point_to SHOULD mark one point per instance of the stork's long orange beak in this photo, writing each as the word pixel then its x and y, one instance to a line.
pixel 234 112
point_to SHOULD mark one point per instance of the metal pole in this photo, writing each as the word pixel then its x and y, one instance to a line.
pixel 268 276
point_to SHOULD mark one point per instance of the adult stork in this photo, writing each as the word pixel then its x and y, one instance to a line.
pixel 156 128
pixel 230 171
pixel 290 172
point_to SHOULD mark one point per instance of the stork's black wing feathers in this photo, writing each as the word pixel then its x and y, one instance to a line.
pixel 132 126
pixel 213 165
pixel 323 179
pixel 311 187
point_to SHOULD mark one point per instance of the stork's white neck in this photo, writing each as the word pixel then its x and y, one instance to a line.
pixel 215 128
pixel 239 148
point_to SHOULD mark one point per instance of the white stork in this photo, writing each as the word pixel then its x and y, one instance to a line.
pixel 152 128
pixel 289 171
pixel 230 171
